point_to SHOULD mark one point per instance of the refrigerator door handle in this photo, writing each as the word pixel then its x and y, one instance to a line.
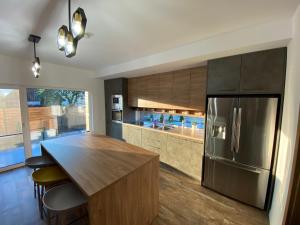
pixel 233 130
pixel 238 130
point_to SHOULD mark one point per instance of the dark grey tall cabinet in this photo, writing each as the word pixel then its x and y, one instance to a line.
pixel 117 86
pixel 255 74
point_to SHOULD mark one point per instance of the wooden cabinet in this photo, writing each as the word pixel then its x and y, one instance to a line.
pixel 263 72
pixel 153 140
pixel 152 89
pixel 260 72
pixel 224 75
pixel 166 90
pixel 183 90
pixel 132 134
pixel 133 92
pixel 182 153
pixel 185 155
pixel 198 88
pixel 137 92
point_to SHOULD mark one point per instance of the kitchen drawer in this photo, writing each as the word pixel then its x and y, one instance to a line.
pixel 153 140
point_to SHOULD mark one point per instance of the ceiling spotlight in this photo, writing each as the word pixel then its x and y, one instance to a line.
pixel 67 39
pixel 36 64
pixel 71 45
pixel 78 23
pixel 61 37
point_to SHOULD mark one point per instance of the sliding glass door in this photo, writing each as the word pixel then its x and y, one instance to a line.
pixel 11 133
pixel 54 113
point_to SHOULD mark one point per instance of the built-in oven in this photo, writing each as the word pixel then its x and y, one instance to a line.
pixel 117 115
pixel 117 102
pixel 117 108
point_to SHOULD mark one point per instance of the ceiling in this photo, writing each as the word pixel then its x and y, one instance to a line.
pixel 125 30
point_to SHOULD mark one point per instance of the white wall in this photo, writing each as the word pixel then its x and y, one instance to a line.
pixel 289 125
pixel 17 72
pixel 254 38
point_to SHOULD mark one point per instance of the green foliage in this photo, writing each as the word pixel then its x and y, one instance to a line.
pixel 181 119
pixel 161 119
pixel 49 97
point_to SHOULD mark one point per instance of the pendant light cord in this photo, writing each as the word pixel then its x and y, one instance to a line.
pixel 34 51
pixel 70 15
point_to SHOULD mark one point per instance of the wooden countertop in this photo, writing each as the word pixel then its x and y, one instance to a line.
pixel 193 134
pixel 95 162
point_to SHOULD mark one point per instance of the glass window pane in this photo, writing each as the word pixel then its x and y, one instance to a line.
pixel 11 137
pixel 54 113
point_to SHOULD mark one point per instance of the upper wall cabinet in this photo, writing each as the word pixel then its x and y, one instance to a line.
pixel 182 90
pixel 198 82
pixel 253 73
pixel 263 71
pixel 224 75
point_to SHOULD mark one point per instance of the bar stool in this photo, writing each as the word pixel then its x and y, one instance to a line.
pixel 62 200
pixel 38 162
pixel 47 177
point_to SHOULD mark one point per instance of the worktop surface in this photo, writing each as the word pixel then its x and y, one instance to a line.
pixel 95 162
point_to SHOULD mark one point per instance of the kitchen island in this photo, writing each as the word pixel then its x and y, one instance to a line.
pixel 120 180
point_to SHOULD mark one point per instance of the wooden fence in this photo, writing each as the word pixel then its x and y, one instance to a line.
pixel 42 118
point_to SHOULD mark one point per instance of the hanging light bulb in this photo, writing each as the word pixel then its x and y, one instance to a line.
pixel 78 23
pixel 71 45
pixel 36 74
pixel 36 64
pixel 61 37
pixel 36 67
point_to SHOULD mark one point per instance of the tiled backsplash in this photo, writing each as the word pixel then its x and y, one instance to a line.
pixel 178 120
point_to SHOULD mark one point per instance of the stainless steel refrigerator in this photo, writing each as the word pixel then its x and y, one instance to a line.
pixel 240 133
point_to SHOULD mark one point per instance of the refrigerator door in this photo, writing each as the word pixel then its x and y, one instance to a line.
pixel 244 183
pixel 220 140
pixel 256 123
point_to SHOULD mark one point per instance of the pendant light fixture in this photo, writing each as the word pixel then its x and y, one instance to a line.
pixel 61 37
pixel 78 23
pixel 36 64
pixel 67 39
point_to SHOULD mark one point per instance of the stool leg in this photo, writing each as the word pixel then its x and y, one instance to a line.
pixel 39 201
pixel 34 189
pixel 34 186
pixel 56 219
pixel 48 218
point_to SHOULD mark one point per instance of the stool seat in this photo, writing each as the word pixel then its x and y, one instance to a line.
pixel 49 175
pixel 64 198
pixel 37 162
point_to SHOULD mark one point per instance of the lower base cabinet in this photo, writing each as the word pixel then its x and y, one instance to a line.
pixel 132 135
pixel 181 153
pixel 185 155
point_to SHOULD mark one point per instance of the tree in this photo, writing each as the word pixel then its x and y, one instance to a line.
pixel 71 97
pixel 49 97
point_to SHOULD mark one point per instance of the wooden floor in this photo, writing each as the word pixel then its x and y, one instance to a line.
pixel 182 202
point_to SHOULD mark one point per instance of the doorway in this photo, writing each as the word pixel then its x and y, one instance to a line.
pixel 12 151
